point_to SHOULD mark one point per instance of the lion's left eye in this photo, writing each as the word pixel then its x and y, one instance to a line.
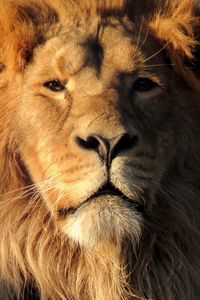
pixel 142 85
pixel 54 85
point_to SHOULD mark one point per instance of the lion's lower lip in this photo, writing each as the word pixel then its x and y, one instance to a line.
pixel 107 190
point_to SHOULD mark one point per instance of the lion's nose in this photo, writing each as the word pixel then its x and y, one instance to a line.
pixel 108 149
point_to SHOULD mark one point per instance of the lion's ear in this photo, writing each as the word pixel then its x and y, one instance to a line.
pixel 22 27
pixel 175 24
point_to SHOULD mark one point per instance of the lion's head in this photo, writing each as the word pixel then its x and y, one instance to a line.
pixel 99 132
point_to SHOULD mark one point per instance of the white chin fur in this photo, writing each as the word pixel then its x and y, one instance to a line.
pixel 107 219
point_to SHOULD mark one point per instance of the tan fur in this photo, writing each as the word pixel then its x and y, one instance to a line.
pixel 107 249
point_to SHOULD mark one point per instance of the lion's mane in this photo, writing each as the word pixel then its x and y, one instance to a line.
pixel 162 263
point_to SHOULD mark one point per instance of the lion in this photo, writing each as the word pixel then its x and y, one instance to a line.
pixel 99 150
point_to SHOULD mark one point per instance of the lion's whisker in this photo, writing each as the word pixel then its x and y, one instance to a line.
pixel 31 187
pixel 155 54
pixel 145 38
pixel 139 35
pixel 156 65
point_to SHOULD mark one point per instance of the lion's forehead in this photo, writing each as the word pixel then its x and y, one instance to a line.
pixel 112 48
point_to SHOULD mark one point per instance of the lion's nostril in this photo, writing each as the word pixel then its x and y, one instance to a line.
pixel 96 143
pixel 108 149
pixel 122 142
pixel 90 143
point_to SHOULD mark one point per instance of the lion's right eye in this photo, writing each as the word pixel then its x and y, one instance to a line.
pixel 54 85
pixel 143 85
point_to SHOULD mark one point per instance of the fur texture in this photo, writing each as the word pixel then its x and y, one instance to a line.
pixel 144 244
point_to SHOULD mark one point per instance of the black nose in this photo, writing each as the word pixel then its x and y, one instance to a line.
pixel 108 149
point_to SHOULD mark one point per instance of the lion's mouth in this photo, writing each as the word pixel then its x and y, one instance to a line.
pixel 107 190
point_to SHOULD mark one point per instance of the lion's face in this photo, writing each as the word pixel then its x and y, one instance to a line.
pixel 95 127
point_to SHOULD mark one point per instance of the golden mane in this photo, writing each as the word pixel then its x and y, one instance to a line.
pixel 33 252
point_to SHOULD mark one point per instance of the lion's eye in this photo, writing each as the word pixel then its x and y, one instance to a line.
pixel 142 85
pixel 54 85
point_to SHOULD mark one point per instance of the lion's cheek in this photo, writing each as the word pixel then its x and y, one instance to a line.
pixel 65 184
pixel 71 195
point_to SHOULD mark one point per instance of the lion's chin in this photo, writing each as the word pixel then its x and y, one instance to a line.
pixel 107 218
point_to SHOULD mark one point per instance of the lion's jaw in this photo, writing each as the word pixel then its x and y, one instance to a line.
pixel 105 220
